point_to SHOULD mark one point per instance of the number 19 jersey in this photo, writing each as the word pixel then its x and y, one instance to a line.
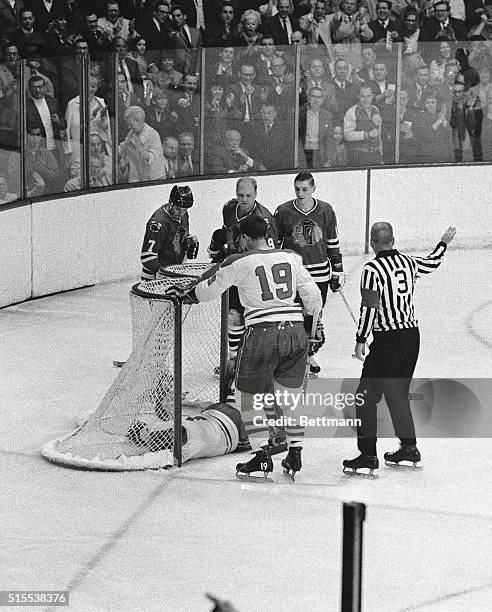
pixel 267 281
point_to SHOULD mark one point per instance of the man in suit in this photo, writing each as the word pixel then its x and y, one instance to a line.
pixel 9 17
pixel 127 67
pixel 187 105
pixel 316 127
pixel 282 88
pixel 170 147
pixel 158 32
pixel 26 38
pixel 188 161
pixel 98 43
pixel 317 77
pixel 270 141
pixel 220 33
pixel 248 96
pixel 418 91
pixel 345 93
pixel 188 41
pixel 44 12
pixel 442 25
pixel 383 24
pixel 281 25
pixel 113 24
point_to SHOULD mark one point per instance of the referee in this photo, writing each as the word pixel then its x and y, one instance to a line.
pixel 387 285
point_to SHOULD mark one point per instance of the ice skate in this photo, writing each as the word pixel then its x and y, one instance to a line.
pixel 314 368
pixel 369 462
pixel 261 462
pixel 292 463
pixel 403 457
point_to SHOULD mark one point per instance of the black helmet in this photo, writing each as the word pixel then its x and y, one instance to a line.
pixel 181 196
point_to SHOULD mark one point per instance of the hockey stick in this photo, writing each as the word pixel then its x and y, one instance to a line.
pixel 312 336
pixel 347 305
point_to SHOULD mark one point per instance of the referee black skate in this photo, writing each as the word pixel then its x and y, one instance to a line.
pixel 387 310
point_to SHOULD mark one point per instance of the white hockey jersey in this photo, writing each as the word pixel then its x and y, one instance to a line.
pixel 267 281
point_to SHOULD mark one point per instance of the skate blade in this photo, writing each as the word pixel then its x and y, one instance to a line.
pixel 290 473
pixel 353 472
pixel 249 478
pixel 406 465
pixel 118 364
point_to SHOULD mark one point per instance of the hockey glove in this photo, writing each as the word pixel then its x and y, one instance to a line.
pixel 337 279
pixel 218 249
pixel 319 338
pixel 191 247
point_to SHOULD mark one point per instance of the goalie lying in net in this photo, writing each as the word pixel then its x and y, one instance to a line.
pixel 216 430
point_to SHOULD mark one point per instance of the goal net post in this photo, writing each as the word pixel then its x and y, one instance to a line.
pixel 178 362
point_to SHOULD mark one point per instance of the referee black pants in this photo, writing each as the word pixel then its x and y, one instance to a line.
pixel 388 371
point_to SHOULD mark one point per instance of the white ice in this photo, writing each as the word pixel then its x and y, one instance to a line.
pixel 157 541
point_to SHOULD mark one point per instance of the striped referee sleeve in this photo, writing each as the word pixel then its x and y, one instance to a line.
pixel 426 265
pixel 370 293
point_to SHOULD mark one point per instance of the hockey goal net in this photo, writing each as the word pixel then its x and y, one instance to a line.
pixel 177 350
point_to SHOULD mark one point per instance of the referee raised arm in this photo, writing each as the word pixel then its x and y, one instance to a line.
pixel 387 311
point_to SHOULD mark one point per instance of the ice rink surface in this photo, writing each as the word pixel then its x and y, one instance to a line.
pixel 157 541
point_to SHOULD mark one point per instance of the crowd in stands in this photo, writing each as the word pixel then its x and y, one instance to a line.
pixel 177 89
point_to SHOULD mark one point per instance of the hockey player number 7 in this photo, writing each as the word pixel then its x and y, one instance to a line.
pixel 282 275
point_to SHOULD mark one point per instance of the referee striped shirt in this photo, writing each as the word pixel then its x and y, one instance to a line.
pixel 387 285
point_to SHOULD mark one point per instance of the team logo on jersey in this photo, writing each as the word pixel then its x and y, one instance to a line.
pixel 307 232
pixel 155 226
pixel 178 242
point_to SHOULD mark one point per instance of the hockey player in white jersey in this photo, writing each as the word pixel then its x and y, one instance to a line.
pixel 275 344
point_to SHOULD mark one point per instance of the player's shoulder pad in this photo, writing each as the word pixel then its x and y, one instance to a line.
pixel 236 257
pixel 283 206
pixel 263 210
pixel 229 204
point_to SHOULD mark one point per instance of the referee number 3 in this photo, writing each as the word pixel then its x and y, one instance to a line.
pixel 401 277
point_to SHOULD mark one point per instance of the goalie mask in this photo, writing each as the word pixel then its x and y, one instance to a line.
pixel 181 196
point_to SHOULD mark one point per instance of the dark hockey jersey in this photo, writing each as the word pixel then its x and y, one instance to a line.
pixel 312 234
pixel 164 242
pixel 230 234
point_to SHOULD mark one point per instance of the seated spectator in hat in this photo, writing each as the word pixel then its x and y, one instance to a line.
pixel 432 133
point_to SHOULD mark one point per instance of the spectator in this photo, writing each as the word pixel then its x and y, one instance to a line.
pixel 263 62
pixel 45 12
pixel 247 96
pixel 383 28
pixel 483 86
pixel 112 25
pixel 297 38
pixel 58 36
pixel 441 24
pixel 380 86
pixel 406 121
pixel 417 91
pixel 466 122
pixel 223 69
pixel 128 67
pixel 138 48
pixel 125 99
pixel 340 52
pixel 345 92
pixel 98 120
pixel 316 125
pixel 230 157
pixel 249 35
pixel 350 26
pixel 222 33
pixel 26 38
pixel 167 77
pixel 159 115
pixel 439 64
pixel 409 34
pixel 5 196
pixel 98 43
pixel 71 70
pixel 158 32
pixel 484 26
pixel 281 25
pixel 188 161
pixel 362 130
pixel 42 171
pixel 365 74
pixel 170 148
pixel 320 26
pixel 10 11
pixel 187 105
pixel 282 88
pixel 97 177
pixel 221 113
pixel 316 77
pixel 269 140
pixel 432 133
pixel 140 154
pixel 99 149
pixel 340 156
pixel 187 42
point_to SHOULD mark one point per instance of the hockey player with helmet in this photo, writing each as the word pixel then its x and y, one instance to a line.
pixel 167 238
pixel 309 227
